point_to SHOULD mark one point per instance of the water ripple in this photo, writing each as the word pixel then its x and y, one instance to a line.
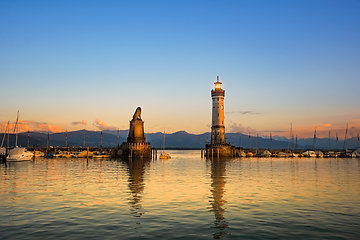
pixel 184 197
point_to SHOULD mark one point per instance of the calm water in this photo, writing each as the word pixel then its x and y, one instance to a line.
pixel 185 197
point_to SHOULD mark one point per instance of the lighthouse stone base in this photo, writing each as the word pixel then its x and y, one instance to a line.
pixel 219 150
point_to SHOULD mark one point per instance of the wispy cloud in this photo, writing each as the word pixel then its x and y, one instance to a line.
pixel 273 131
pixel 353 132
pixel 242 112
pixel 238 127
pixel 83 122
pixel 102 125
pixel 355 127
pixel 26 125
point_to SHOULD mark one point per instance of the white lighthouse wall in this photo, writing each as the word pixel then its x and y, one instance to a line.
pixel 217 111
pixel 218 125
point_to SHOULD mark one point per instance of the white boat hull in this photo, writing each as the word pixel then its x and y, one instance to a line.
pixel 309 154
pixel 19 155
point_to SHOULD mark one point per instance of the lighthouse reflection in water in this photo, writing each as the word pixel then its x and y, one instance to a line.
pixel 185 197
pixel 218 190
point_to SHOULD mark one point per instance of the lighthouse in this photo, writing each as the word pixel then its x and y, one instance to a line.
pixel 218 147
pixel 217 125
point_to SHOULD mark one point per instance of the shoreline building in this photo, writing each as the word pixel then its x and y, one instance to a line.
pixel 136 145
pixel 218 147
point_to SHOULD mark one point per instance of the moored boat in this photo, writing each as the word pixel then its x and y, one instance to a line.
pixel 242 154
pixel 249 154
pixel 281 154
pixel 100 155
pixel 266 153
pixel 163 154
pixel 332 154
pixel 83 154
pixel 2 153
pixel 309 154
pixel 319 154
pixel 66 154
pixel 39 154
pixel 19 154
pixel 356 153
pixel 293 154
pixel 58 154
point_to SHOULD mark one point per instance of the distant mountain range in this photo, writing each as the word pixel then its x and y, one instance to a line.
pixel 179 139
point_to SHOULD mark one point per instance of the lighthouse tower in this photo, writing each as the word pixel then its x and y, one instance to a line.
pixel 217 125
pixel 218 147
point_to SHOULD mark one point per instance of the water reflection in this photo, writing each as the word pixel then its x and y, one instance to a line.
pixel 218 168
pixel 136 169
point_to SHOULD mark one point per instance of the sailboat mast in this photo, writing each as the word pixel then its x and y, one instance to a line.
pixel 84 139
pixel 8 135
pixel 118 132
pixel 240 141
pixel 337 142
pixel 290 136
pixel 6 130
pixel 344 147
pixel 164 142
pixel 314 143
pixel 15 128
pixel 101 139
pixel 249 141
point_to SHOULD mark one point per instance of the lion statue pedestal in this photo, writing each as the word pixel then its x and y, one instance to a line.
pixel 136 145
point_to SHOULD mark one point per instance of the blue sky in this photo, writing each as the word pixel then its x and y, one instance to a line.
pixel 280 62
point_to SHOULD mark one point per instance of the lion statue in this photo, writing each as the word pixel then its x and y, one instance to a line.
pixel 137 114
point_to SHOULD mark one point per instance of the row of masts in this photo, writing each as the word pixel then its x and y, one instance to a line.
pixel 292 137
pixel 7 133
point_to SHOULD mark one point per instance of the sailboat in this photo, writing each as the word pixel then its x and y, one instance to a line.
pixel 163 154
pixel 18 154
pixel 3 150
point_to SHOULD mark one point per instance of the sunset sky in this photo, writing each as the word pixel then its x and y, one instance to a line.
pixel 70 65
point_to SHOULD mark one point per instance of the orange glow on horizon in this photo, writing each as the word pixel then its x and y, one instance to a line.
pixel 25 125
